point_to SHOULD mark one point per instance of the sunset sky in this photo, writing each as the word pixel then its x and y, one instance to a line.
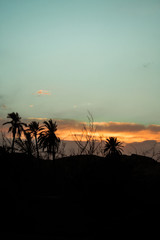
pixel 61 58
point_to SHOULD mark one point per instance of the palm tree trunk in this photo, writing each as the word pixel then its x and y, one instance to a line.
pixel 37 146
pixel 13 141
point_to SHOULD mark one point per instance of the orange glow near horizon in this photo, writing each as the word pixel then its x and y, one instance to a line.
pixel 125 132
pixel 126 137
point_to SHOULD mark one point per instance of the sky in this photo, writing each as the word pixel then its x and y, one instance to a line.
pixel 62 58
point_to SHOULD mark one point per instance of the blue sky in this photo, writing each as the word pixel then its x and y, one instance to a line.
pixel 96 55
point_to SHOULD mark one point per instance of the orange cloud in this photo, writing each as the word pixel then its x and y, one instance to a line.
pixel 42 92
pixel 126 132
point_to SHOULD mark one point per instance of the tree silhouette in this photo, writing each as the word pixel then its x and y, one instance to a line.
pixel 26 146
pixel 113 147
pixel 87 141
pixel 48 139
pixel 34 129
pixel 16 126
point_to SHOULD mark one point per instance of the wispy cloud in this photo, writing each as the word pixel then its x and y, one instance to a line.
pixel 119 127
pixel 3 107
pixel 42 92
pixel 154 128
pixel 39 119
pixel 147 65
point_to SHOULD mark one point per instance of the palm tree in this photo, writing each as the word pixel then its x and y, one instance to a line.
pixel 26 146
pixel 48 139
pixel 113 147
pixel 34 129
pixel 16 126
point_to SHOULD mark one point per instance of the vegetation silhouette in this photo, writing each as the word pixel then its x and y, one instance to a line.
pixel 99 195
pixel 113 147
pixel 89 196
pixel 26 145
pixel 16 126
pixel 87 142
pixel 6 143
pixel 48 139
pixel 35 129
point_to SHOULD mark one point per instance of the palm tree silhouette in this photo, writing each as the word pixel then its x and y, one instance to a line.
pixel 113 147
pixel 48 139
pixel 16 126
pixel 34 129
pixel 26 146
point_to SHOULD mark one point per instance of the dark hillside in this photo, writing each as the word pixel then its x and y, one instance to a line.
pixel 78 196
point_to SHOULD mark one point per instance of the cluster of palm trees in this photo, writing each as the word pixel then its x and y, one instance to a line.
pixel 44 136
pixel 46 139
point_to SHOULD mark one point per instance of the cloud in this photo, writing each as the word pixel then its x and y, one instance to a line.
pixel 154 128
pixel 38 119
pixel 103 126
pixel 147 65
pixel 42 92
pixel 69 124
pixel 119 127
pixel 4 107
pixel 127 132
pixel 124 131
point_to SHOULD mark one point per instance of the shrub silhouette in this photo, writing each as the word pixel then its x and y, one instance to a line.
pixel 87 141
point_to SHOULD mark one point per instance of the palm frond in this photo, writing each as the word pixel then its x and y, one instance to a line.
pixel 7 123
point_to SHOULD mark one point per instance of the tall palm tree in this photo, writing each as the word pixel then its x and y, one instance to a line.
pixel 113 147
pixel 48 139
pixel 34 129
pixel 16 126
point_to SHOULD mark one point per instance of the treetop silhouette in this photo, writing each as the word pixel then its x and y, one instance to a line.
pixel 16 126
pixel 48 139
pixel 113 147
pixel 35 129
